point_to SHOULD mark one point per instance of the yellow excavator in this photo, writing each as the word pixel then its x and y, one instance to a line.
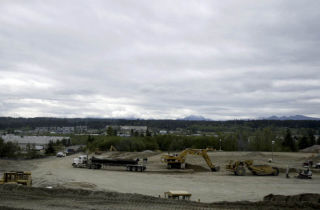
pixel 177 161
pixel 17 177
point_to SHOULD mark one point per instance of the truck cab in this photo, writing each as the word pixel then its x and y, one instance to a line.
pixel 82 159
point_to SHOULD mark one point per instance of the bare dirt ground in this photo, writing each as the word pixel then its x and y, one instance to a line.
pixel 198 180
pixel 14 197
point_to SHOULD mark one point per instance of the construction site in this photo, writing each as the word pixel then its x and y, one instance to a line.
pixel 200 179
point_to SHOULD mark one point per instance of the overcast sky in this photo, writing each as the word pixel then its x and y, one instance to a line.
pixel 159 59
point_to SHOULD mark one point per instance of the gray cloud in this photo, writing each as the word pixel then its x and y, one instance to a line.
pixel 159 59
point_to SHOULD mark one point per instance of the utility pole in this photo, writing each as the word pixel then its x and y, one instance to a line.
pixel 220 144
pixel 272 150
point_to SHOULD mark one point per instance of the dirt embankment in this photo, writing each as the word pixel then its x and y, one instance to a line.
pixel 20 197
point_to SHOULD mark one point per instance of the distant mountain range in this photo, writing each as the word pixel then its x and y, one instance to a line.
pixel 293 117
pixel 195 118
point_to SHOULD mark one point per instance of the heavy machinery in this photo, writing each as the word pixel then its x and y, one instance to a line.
pixel 184 195
pixel 17 177
pixel 97 163
pixel 239 168
pixel 178 160
pixel 304 174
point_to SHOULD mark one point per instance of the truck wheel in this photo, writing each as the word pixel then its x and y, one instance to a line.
pixel 275 171
pixel 241 171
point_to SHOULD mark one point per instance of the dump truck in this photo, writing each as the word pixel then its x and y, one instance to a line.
pixel 177 161
pixel 17 177
pixel 83 161
pixel 239 168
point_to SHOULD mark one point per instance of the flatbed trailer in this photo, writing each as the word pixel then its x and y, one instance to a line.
pixel 97 163
pixel 136 167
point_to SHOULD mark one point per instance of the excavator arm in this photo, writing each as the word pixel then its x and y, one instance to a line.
pixel 180 159
pixel 208 161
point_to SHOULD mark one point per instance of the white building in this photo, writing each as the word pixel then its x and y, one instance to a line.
pixel 38 141
pixel 129 130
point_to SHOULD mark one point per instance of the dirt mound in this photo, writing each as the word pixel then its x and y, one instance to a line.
pixel 314 148
pixel 79 185
pixel 21 197
pixel 255 154
pixel 196 168
pixel 301 200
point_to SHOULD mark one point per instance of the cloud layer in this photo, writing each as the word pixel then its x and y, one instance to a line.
pixel 159 59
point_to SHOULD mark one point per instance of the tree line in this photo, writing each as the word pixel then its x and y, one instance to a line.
pixel 9 123
pixel 260 140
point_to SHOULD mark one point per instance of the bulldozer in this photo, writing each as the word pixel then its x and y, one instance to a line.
pixel 17 177
pixel 177 161
pixel 239 168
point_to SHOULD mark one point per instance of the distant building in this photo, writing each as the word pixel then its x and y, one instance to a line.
pixel 163 132
pixel 39 142
pixel 65 130
pixel 131 130
pixel 81 129
pixel 62 130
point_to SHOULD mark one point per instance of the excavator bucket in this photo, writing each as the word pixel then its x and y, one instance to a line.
pixel 215 169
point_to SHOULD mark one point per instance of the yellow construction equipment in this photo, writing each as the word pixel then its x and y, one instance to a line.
pixel 17 177
pixel 112 148
pixel 239 168
pixel 178 160
pixel 184 195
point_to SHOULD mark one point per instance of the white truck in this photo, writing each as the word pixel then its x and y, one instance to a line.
pixel 84 162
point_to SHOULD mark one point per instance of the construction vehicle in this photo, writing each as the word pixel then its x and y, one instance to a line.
pixel 70 151
pixel 61 154
pixel 239 168
pixel 304 174
pixel 17 177
pixel 184 195
pixel 97 163
pixel 177 161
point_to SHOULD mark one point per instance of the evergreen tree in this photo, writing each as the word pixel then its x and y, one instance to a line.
pixel 312 139
pixel 288 142
pixel 50 149
pixel 303 143
pixel 90 139
pixel 148 133
pixel 110 131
